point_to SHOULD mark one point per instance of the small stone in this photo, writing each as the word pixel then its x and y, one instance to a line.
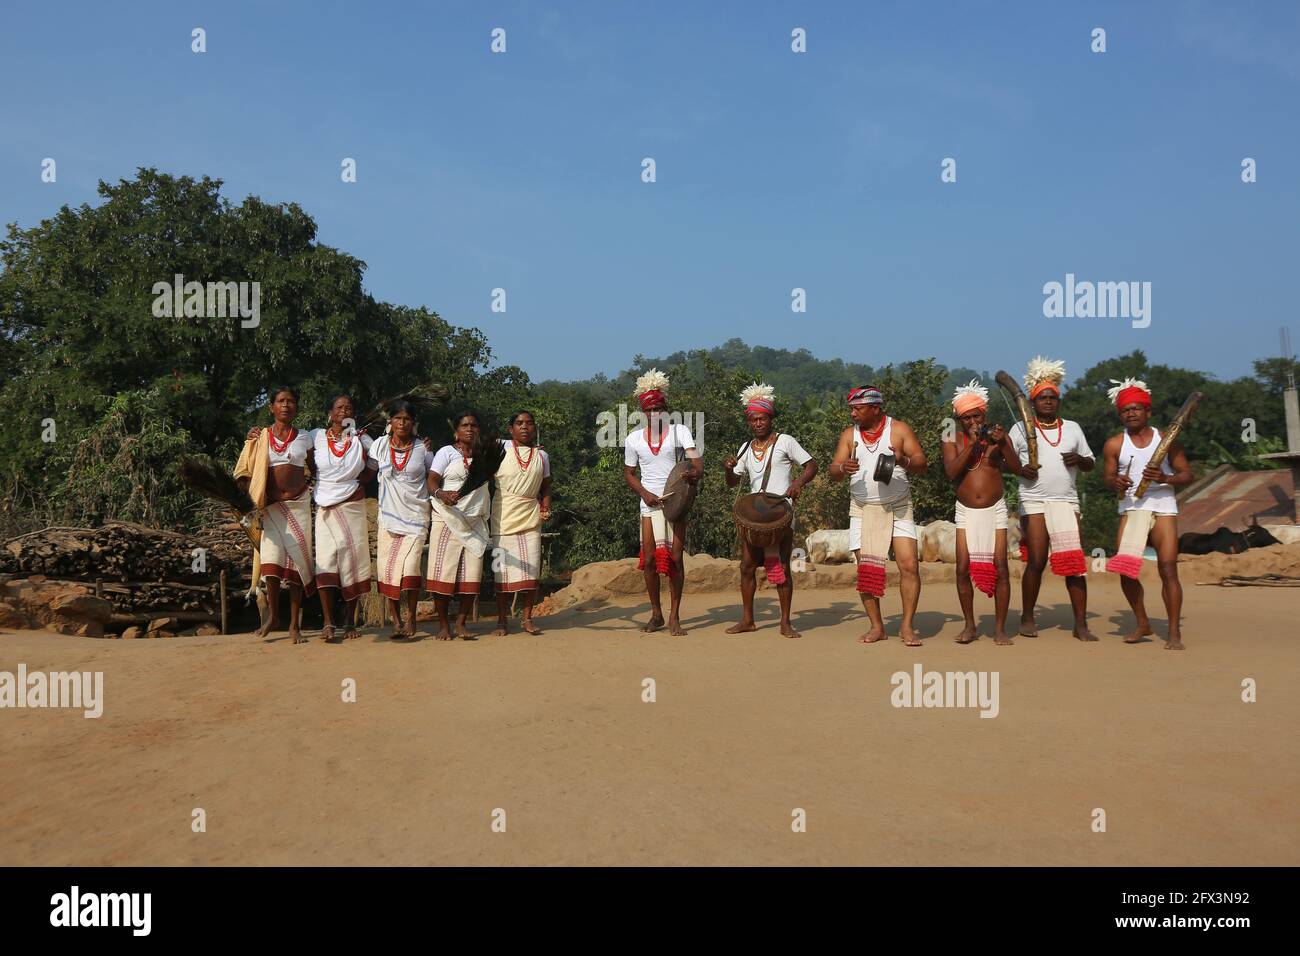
pixel 131 633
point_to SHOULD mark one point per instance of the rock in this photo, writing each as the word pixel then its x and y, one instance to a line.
pixel 11 618
pixel 938 541
pixel 131 633
pixel 158 624
pixel 829 547
pixel 426 610
pixel 206 630
pixel 163 634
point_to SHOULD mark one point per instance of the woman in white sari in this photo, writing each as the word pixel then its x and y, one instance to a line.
pixel 285 551
pixel 521 504
pixel 342 534
pixel 458 531
pixel 403 515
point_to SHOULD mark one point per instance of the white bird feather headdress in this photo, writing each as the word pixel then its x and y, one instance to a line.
pixel 757 390
pixel 651 380
pixel 1042 369
pixel 974 388
pixel 1113 393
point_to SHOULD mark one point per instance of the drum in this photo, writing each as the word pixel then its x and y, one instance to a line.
pixel 679 494
pixel 885 467
pixel 762 518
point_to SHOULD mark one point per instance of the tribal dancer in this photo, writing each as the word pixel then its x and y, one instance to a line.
pixel 342 534
pixel 1127 460
pixel 285 551
pixel 458 532
pixel 880 511
pixel 767 460
pixel 1049 503
pixel 654 453
pixel 522 503
pixel 974 462
pixel 403 463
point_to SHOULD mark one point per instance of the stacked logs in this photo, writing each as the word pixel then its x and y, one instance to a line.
pixel 121 552
pixel 143 572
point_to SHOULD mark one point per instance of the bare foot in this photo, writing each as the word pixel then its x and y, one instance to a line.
pixel 873 635
pixel 788 630
pixel 909 637
pixel 444 634
pixel 1139 632
pixel 675 626
pixel 352 634
pixel 1174 643
pixel 656 621
pixel 297 636
pixel 1028 627
pixel 1083 634
pixel 968 634
pixel 1001 638
pixel 464 633
pixel 741 626
pixel 530 627
pixel 502 629
pixel 266 628
pixel 330 635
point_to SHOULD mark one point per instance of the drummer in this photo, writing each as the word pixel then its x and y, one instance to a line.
pixel 768 459
pixel 653 453
pixel 880 506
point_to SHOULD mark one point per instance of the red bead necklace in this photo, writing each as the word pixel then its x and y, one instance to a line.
pixel 280 447
pixel 532 450
pixel 1060 428
pixel 336 451
pixel 392 455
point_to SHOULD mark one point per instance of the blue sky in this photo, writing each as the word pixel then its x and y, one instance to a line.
pixel 775 170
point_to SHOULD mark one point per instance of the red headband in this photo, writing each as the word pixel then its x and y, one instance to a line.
pixel 1128 396
pixel 651 397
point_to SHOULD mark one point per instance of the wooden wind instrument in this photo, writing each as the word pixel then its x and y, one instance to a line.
pixel 1168 437
pixel 1026 413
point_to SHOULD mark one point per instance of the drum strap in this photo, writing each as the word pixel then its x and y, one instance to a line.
pixel 767 472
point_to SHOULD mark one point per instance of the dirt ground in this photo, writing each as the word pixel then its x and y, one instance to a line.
pixel 744 730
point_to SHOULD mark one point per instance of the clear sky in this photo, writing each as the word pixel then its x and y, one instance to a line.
pixel 775 169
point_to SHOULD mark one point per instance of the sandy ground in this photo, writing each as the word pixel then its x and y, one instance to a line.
pixel 744 730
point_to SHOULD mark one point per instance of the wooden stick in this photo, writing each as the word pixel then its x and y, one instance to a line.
pixel 224 629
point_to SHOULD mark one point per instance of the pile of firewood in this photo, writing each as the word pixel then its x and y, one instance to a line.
pixel 126 553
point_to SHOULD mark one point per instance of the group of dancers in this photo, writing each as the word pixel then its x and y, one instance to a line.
pixel 420 502
pixel 880 517
pixel 427 498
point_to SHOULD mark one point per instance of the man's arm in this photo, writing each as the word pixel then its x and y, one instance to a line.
pixel 1177 460
pixel 809 472
pixel 911 454
pixel 633 482
pixel 956 459
pixel 844 463
pixel 1110 475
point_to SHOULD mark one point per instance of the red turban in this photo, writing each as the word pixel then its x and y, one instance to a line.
pixel 650 398
pixel 1132 394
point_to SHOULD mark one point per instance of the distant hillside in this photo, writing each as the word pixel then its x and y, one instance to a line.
pixel 796 375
